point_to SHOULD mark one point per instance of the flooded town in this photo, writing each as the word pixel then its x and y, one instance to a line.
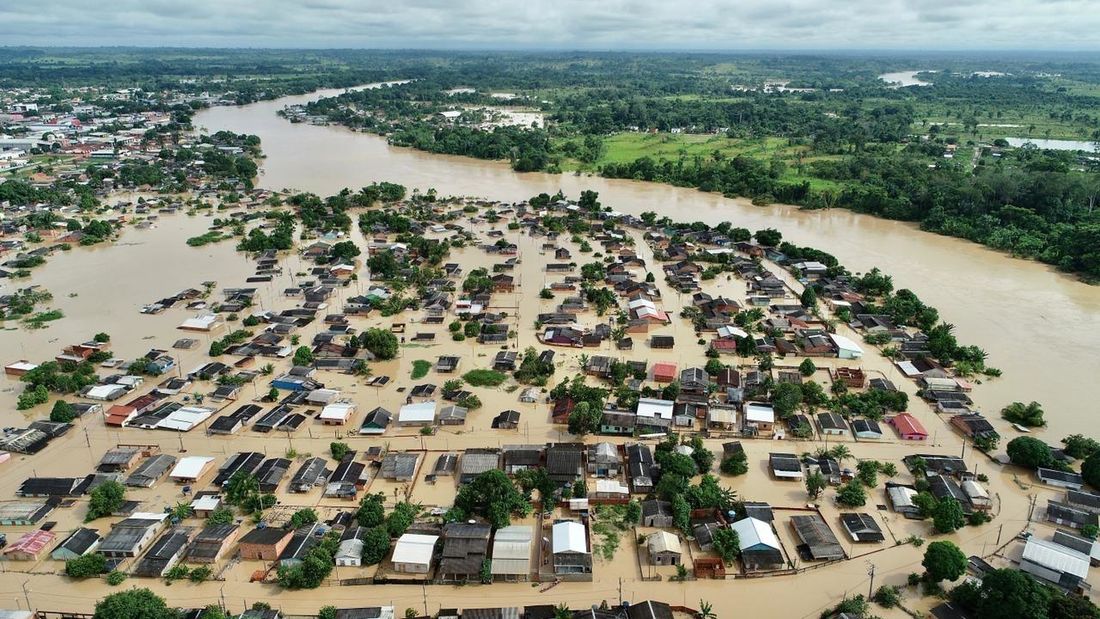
pixel 258 364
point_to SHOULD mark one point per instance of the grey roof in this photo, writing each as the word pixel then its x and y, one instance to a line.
pixel 399 465
pixel 862 527
pixel 817 536
pixel 474 463
pixel 80 541
pixel 163 552
pixel 148 472
pixel 445 464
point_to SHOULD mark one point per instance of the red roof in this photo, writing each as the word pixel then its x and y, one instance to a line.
pixel 908 425
pixel 723 344
pixel 31 543
pixel 665 370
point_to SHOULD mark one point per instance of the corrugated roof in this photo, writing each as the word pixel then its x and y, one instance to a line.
pixel 1056 557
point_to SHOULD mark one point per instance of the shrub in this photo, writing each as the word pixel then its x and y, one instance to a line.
pixel 484 378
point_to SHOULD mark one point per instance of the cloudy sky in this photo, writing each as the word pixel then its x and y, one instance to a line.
pixel 559 24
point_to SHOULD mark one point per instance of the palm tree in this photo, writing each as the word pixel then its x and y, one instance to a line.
pixel 561 611
pixel 706 611
pixel 840 453
pixel 583 359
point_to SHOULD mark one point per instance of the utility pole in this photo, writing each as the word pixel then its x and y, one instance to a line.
pixel 871 587
pixel 999 529
pixel 620 591
pixel 424 589
pixel 27 595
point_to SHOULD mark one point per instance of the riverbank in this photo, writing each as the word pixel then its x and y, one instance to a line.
pixel 984 293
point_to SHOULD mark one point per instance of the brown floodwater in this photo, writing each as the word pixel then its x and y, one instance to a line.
pixel 1038 326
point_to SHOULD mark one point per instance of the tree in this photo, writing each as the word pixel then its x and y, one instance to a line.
pixel 376 544
pixel 1090 469
pixel 808 297
pixel 85 566
pixel 344 251
pixel 584 419
pixel 303 356
pixel 326 612
pixel 807 367
pixel 492 496
pixel 815 484
pixel 786 397
pixel 380 342
pixel 769 237
pixel 706 611
pixel 221 515
pixel 1064 606
pixel 1011 593
pixel 1078 446
pixel 727 544
pixel 133 604
pixel 1030 452
pixel 944 561
pixel 105 499
pixel 62 412
pixel 736 464
pixel 947 516
pixel 338 449
pixel 1030 415
pixel 372 511
pixel 302 517
pixel 852 494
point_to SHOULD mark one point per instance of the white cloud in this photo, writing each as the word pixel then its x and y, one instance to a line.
pixel 570 24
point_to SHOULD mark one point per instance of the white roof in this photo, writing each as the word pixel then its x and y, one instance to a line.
pixel 185 418
pixel 611 486
pixel 323 396
pixel 726 331
pixel 154 516
pixel 901 496
pixel 190 467
pixel 844 343
pixel 206 502
pixel 569 536
pixel 103 392
pixel 722 415
pixel 663 541
pixel 338 411
pixel 636 303
pixel 350 549
pixel 414 548
pixel 512 550
pixel 974 490
pixel 759 412
pixel 652 407
pixel 1056 557
pixel 421 412
pixel 753 532
pixel 26 366
pixel 202 322
pixel 908 368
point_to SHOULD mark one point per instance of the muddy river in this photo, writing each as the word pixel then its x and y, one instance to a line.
pixel 1037 325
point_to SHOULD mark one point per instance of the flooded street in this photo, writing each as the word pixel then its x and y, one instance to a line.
pixel 1037 325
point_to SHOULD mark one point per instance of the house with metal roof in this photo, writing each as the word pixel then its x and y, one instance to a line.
pixel 413 553
pixel 164 553
pixel 264 544
pixel 191 469
pixel 511 559
pixel 569 546
pixel 1054 563
pixel 785 466
pixel 664 548
pixel 79 543
pixel 474 462
pixel 818 541
pixel 1069 516
pixel 760 547
pixel 417 414
pixel 1082 545
pixel 639 463
pixel 376 421
pixel 30 546
pixel 862 528
pixel 1060 479
pixel 26 513
pixel 311 474
pixel 465 548
pixel 212 543
pixel 150 471
pixel 302 541
pixel 604 460
pixel 400 466
pixel 129 537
